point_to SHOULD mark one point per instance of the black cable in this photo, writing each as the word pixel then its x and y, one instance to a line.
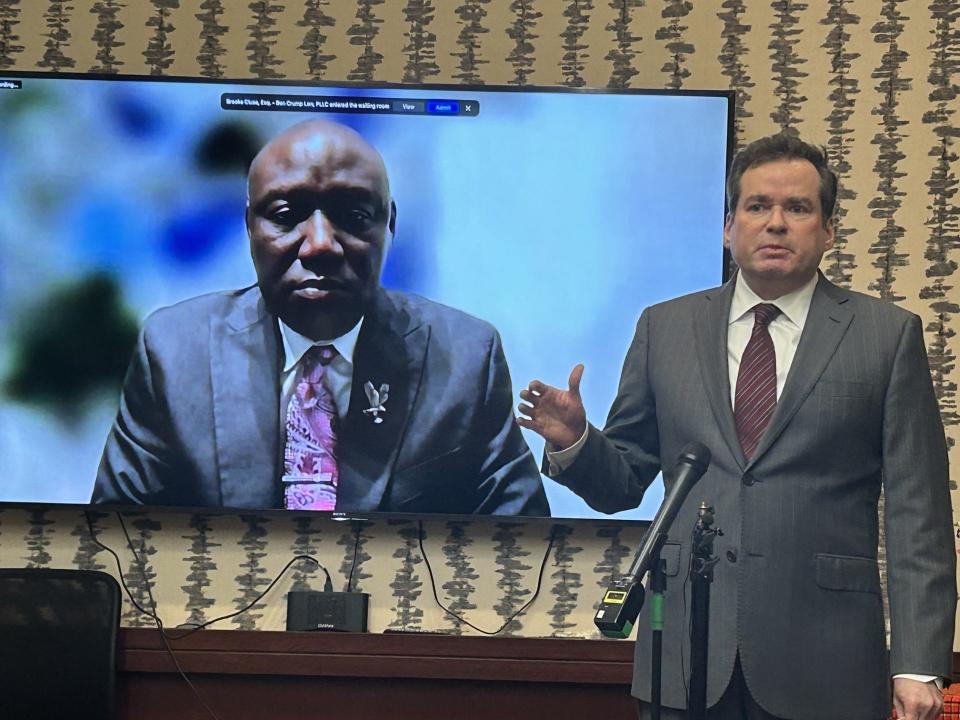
pixel 143 571
pixel 683 593
pixel 356 549
pixel 152 615
pixel 327 587
pixel 93 536
pixel 451 613
pixel 164 633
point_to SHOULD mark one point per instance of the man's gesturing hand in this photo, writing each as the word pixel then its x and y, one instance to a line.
pixel 555 414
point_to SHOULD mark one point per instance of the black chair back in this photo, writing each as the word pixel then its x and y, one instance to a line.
pixel 58 641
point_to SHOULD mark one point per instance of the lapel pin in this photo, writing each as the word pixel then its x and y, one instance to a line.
pixel 376 398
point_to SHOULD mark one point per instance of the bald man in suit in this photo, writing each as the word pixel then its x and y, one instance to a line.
pixel 811 398
pixel 317 389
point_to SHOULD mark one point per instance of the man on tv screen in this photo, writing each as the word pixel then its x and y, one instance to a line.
pixel 811 399
pixel 317 389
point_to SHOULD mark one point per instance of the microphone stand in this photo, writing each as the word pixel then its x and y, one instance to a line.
pixel 658 585
pixel 701 575
pixel 621 603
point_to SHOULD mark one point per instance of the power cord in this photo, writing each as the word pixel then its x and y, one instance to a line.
pixel 152 615
pixel 451 613
pixel 357 527
pixel 194 627
pixel 327 587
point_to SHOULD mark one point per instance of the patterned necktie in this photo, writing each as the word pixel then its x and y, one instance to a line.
pixel 756 395
pixel 310 457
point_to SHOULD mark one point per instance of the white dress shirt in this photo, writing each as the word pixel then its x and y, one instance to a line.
pixel 338 377
pixel 785 329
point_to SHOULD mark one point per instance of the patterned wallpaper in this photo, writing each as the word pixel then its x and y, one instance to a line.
pixel 876 81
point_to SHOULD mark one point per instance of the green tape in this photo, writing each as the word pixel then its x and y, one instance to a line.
pixel 656 611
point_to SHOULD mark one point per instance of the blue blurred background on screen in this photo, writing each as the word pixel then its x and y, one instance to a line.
pixel 555 216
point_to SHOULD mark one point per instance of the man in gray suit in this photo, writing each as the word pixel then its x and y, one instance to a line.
pixel 811 398
pixel 316 388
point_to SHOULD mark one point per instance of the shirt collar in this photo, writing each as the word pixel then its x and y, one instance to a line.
pixel 296 345
pixel 794 305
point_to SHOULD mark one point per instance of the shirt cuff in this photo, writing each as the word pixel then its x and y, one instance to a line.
pixel 921 678
pixel 559 460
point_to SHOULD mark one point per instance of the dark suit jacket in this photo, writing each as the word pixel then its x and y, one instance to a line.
pixel 797 589
pixel 199 416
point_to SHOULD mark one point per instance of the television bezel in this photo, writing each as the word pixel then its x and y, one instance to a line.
pixel 379 515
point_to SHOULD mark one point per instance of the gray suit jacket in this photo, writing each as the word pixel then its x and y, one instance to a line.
pixel 199 417
pixel 797 590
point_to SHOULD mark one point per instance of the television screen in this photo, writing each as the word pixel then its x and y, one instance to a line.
pixel 517 233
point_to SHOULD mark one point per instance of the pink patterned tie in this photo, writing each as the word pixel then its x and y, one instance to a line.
pixel 310 456
pixel 756 394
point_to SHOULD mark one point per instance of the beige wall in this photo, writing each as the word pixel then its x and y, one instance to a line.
pixel 874 81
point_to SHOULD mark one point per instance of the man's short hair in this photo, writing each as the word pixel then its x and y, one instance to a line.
pixel 783 146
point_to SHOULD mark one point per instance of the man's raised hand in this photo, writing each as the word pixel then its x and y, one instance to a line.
pixel 557 415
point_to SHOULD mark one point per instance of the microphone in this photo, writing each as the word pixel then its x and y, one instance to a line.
pixel 622 602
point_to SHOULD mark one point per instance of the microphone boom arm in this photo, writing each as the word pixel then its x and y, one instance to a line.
pixel 623 600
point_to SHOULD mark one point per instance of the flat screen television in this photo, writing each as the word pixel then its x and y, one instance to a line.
pixel 554 215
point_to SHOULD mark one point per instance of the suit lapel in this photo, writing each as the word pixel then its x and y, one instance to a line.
pixel 826 324
pixel 245 380
pixel 390 350
pixel 710 332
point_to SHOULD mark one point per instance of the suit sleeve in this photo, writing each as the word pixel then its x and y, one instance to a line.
pixel 136 454
pixel 921 560
pixel 616 466
pixel 509 481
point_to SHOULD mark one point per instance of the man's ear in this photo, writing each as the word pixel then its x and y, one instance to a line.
pixel 391 229
pixel 727 224
pixel 829 229
pixel 247 220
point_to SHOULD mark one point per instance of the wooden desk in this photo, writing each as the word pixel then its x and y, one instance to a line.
pixel 280 675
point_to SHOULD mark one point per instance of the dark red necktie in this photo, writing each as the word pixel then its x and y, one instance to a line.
pixel 756 395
